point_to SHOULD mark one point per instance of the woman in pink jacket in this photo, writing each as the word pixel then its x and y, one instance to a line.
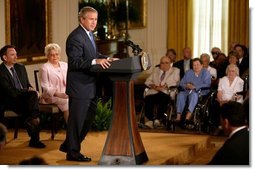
pixel 53 80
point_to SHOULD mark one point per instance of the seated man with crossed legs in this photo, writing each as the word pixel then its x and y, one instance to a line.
pixel 17 94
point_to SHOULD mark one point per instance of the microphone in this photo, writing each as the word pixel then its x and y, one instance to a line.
pixel 135 48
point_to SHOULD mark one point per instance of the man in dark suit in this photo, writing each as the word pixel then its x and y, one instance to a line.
pixel 17 94
pixel 235 150
pixel 186 63
pixel 81 83
pixel 243 59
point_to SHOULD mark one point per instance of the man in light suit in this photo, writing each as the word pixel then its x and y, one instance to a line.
pixel 158 82
pixel 17 94
pixel 235 150
pixel 81 83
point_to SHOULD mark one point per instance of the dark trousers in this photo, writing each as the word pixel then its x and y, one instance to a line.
pixel 26 104
pixel 161 100
pixel 81 115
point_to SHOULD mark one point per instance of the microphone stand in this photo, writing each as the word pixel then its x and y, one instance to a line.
pixel 126 26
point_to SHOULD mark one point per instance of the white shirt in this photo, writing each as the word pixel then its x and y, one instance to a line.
pixel 228 91
pixel 212 71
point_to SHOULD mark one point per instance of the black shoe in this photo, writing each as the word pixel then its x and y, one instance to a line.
pixel 37 144
pixel 80 158
pixel 63 148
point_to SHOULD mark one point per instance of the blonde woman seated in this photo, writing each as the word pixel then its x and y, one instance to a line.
pixel 229 85
pixel 53 80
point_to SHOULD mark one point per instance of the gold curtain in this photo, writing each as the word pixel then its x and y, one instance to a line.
pixel 238 22
pixel 180 30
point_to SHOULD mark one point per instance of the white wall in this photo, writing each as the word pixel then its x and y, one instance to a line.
pixel 151 39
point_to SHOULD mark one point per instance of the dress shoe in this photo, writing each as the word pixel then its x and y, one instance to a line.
pixel 63 148
pixel 156 123
pixel 36 144
pixel 80 158
pixel 149 124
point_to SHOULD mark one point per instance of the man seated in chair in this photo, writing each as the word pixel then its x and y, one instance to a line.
pixel 158 82
pixel 191 83
pixel 17 94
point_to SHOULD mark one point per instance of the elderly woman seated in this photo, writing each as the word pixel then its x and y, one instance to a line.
pixel 193 80
pixel 229 85
pixel 158 82
pixel 53 79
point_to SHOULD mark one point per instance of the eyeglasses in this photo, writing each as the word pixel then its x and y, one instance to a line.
pixel 215 53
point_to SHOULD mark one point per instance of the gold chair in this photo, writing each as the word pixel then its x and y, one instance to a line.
pixel 50 109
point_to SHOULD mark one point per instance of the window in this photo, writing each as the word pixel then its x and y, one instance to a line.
pixel 210 26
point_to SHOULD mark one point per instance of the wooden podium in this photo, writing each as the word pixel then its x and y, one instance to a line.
pixel 123 145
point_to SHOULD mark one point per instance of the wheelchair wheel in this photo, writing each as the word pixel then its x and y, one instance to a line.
pixel 170 115
pixel 202 117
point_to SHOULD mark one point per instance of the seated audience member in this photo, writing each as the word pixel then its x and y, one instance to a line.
pixel 18 95
pixel 205 58
pixel 186 63
pixel 3 134
pixel 158 82
pixel 233 58
pixel 229 85
pixel 171 53
pixel 220 65
pixel 215 53
pixel 193 80
pixel 235 150
pixel 53 80
pixel 243 59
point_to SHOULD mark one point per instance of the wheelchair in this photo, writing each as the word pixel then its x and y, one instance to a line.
pixel 171 109
pixel 201 120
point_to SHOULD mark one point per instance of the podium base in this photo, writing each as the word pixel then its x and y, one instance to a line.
pixel 123 160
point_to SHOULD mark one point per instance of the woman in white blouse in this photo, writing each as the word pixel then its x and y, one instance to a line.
pixel 229 85
pixel 53 80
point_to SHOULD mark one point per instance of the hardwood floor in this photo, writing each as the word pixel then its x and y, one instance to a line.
pixel 161 148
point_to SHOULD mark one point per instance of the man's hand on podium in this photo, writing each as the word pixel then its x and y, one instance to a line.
pixel 104 63
pixel 112 59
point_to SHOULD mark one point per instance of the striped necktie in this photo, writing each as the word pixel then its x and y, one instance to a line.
pixel 16 79
pixel 92 40
pixel 163 75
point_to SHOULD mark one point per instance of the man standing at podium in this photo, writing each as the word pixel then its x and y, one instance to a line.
pixel 81 83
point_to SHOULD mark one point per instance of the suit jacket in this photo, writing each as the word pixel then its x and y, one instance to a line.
pixel 243 66
pixel 52 81
pixel 172 78
pixel 7 87
pixel 180 64
pixel 235 150
pixel 81 83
